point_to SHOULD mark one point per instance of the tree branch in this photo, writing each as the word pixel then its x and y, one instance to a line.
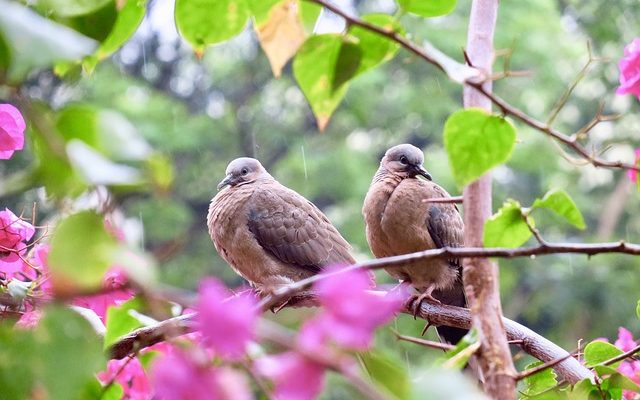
pixel 438 314
pixel 480 275
pixel 530 342
pixel 472 77
pixel 589 249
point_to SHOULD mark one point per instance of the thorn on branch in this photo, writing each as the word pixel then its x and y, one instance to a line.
pixel 423 342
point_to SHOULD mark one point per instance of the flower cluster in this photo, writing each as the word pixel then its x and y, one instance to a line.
pixel 630 367
pixel 349 316
pixel 203 364
pixel 630 69
pixel 14 234
pixel 12 128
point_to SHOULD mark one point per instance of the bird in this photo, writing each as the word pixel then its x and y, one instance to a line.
pixel 399 220
pixel 269 234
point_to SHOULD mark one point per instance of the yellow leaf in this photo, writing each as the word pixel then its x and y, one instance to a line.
pixel 282 34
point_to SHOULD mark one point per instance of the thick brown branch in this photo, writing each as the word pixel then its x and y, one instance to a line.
pixel 530 342
pixel 438 314
pixel 150 335
pixel 472 80
pixel 480 275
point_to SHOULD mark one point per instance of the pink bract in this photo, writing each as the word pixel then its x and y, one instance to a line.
pixel 227 322
pixel 14 233
pixel 351 312
pixel 114 280
pixel 131 376
pixel 630 69
pixel 630 368
pixel 632 173
pixel 294 376
pixel 12 128
pixel 179 376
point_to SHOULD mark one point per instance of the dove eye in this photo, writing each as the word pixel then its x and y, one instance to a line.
pixel 403 160
pixel 244 171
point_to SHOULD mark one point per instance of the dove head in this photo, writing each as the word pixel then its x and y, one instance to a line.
pixel 405 160
pixel 243 170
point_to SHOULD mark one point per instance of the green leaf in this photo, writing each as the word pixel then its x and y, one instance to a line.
pixel 477 141
pixel 638 309
pixel 260 9
pixel 314 68
pixel 95 390
pixel 69 8
pixel 620 381
pixel 387 372
pixel 561 203
pixel 47 42
pixel 428 8
pixel 54 171
pixel 541 381
pixel 507 228
pixel 309 13
pixel 129 18
pixel 375 49
pixel 120 322
pixel 59 357
pixel 81 251
pixel 458 357
pixel 79 121
pixel 204 22
pixel 159 171
pixel 349 59
pixel 598 352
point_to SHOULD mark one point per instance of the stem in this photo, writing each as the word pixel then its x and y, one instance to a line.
pixel 480 275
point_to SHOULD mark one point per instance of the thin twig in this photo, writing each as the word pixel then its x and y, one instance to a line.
pixel 506 107
pixel 452 199
pixel 422 342
pixel 335 361
pixel 562 101
pixel 542 367
pixel 621 357
pixel 440 314
pixel 546 248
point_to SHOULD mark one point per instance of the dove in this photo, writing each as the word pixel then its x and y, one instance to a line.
pixel 400 220
pixel 269 234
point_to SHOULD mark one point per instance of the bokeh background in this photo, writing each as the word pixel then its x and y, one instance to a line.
pixel 194 115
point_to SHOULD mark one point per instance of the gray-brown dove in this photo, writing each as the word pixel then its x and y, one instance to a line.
pixel 399 220
pixel 269 234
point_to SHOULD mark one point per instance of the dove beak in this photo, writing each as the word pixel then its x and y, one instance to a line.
pixel 419 170
pixel 225 182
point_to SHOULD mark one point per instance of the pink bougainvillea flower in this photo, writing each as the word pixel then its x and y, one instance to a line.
pixel 179 376
pixel 625 340
pixel 632 173
pixel 630 69
pixel 114 281
pixel 629 367
pixel 130 375
pixel 14 233
pixel 12 127
pixel 294 376
pixel 351 312
pixel 29 319
pixel 227 322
